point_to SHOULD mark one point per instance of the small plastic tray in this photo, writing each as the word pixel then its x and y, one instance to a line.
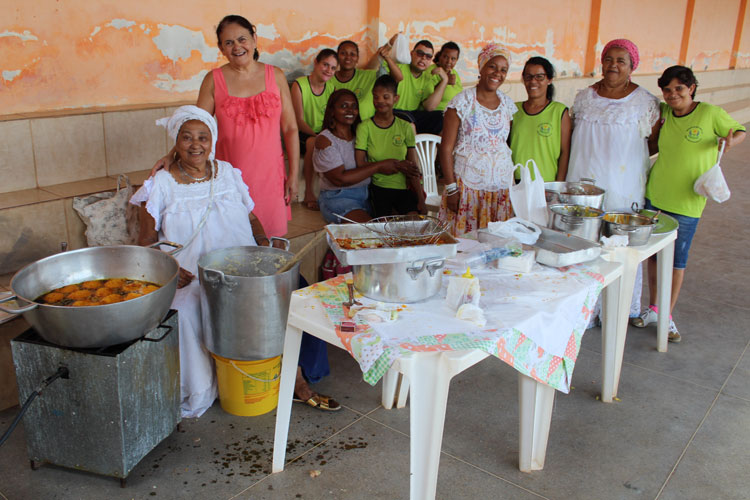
pixel 559 249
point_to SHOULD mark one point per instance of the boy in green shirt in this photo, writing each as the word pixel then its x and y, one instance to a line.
pixel 387 138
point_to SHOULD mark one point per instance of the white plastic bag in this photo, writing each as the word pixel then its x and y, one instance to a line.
pixel 401 50
pixel 527 197
pixel 712 183
pixel 515 229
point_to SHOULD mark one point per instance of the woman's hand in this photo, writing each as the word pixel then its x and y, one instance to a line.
pixel 388 167
pixel 409 169
pixel 291 186
pixel 452 201
pixel 441 73
pixel 184 278
pixel 162 163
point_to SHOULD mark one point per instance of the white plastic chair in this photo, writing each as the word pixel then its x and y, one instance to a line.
pixel 426 145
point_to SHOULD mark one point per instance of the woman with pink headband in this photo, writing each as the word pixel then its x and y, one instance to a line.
pixel 613 121
pixel 474 152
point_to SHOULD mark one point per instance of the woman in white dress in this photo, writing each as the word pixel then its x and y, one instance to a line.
pixel 474 152
pixel 203 204
pixel 613 122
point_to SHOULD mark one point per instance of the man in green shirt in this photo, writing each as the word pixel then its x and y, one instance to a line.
pixel 418 95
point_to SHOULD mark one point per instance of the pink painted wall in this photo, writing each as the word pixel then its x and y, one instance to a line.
pixel 58 55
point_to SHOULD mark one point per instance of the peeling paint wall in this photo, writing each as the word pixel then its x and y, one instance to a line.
pixel 74 54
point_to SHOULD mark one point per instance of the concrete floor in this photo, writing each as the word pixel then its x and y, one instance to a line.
pixel 681 429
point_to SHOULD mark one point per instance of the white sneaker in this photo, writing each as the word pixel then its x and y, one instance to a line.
pixel 646 318
pixel 674 335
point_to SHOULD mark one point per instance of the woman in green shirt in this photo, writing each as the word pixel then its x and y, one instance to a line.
pixel 541 127
pixel 689 138
pixel 309 97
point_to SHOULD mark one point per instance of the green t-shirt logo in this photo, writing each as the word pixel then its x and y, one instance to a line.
pixel 544 129
pixel 420 94
pixel 398 140
pixel 358 93
pixel 693 134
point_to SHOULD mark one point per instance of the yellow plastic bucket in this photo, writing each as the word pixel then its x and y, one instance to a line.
pixel 248 388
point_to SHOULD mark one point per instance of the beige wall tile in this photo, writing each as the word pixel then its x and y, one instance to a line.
pixel 68 148
pixel 25 197
pixel 132 140
pixel 81 188
pixel 75 226
pixel 17 164
pixel 30 233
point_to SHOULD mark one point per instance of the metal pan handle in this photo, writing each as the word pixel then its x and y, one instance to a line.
pixel 20 310
pixel 587 180
pixel 177 246
pixel 286 242
pixel 214 277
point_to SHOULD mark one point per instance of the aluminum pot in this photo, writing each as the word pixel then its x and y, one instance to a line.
pixel 103 325
pixel 245 303
pixel 401 281
pixel 584 222
pixel 583 193
pixel 637 228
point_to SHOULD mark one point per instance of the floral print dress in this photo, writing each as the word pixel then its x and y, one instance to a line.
pixel 481 162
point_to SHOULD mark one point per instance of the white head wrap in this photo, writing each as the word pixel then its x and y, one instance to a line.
pixel 186 113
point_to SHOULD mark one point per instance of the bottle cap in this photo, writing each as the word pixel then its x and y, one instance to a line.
pixel 467 274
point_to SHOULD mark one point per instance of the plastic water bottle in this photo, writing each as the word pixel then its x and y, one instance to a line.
pixel 491 255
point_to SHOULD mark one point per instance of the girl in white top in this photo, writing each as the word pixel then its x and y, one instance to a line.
pixel 474 152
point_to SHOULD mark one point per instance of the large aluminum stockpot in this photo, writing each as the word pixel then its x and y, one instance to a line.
pixel 400 281
pixel 102 325
pixel 584 222
pixel 583 193
pixel 636 227
pixel 245 304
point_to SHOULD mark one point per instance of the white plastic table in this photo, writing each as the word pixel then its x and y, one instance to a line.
pixel 631 257
pixel 429 374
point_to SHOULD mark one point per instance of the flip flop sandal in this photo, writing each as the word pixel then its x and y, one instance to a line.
pixel 320 402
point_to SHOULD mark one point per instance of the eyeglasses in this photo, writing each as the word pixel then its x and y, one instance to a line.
pixel 539 77
pixel 423 54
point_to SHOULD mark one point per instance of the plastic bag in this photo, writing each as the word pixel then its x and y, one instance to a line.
pixel 712 183
pixel 527 197
pixel 401 50
pixel 109 218
pixel 516 228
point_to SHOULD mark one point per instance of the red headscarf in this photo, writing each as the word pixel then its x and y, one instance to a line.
pixel 623 43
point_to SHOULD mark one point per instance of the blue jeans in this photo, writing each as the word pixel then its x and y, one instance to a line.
pixel 313 353
pixel 685 234
pixel 342 201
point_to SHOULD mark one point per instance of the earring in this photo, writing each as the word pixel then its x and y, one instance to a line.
pixel 256 55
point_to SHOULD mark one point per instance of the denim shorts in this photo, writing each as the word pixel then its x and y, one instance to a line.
pixel 342 201
pixel 685 234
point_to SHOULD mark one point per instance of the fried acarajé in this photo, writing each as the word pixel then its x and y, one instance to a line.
pixel 98 292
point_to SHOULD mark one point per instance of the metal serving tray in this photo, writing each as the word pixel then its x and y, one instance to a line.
pixel 558 249
pixel 445 248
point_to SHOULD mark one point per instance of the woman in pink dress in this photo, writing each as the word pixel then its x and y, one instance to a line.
pixel 252 104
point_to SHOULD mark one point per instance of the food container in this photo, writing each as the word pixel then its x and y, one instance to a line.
pixel 557 249
pixel 100 325
pixel 400 281
pixel 407 273
pixel 231 280
pixel 583 193
pixel 577 220
pixel 636 227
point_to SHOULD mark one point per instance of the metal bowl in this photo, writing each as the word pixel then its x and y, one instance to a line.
pixel 102 325
pixel 583 193
pixel 584 222
pixel 636 227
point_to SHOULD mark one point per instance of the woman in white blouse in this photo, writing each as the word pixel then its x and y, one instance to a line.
pixel 474 154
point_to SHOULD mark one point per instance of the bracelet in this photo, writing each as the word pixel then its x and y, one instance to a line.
pixel 448 195
pixel 452 186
